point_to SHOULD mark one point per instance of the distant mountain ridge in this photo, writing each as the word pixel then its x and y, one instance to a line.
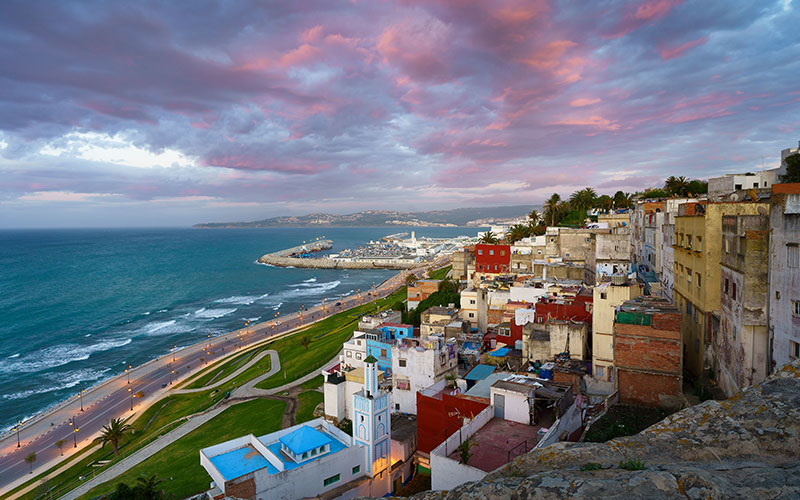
pixel 372 218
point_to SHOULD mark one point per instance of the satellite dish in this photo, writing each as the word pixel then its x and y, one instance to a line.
pixel 763 211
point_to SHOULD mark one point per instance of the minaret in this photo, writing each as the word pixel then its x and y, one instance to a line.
pixel 371 420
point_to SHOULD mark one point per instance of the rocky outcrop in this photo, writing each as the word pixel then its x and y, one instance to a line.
pixel 747 446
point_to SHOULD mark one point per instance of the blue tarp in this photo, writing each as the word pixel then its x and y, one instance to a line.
pixel 480 372
pixel 499 353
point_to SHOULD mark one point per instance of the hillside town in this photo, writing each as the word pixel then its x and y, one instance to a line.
pixel 548 330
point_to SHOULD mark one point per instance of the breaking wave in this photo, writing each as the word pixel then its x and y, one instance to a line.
pixel 51 357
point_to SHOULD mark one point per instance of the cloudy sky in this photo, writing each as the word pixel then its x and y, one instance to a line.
pixel 170 113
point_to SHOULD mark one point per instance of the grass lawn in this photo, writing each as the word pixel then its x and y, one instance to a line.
pixel 313 383
pixel 326 337
pixel 220 372
pixel 179 464
pixel 439 274
pixel 306 402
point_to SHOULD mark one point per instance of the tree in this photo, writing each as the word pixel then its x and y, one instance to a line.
pixel 113 433
pixel 517 232
pixel 655 193
pixel 676 185
pixel 583 199
pixel 451 380
pixel 465 450
pixel 696 187
pixel 60 445
pixel 305 341
pixel 792 169
pixel 604 202
pixel 533 218
pixel 551 207
pixel 147 488
pixel 489 238
pixel 622 200
pixel 122 492
pixel 30 459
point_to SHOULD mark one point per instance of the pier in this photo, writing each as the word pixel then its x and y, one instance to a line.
pixel 289 258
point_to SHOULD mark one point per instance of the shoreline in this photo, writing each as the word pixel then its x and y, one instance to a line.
pixel 39 416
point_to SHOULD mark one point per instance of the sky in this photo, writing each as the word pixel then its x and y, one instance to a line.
pixel 157 113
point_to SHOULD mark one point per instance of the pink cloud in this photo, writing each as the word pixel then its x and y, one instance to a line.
pixel 594 121
pixel 673 52
pixel 641 14
pixel 548 56
pixel 416 47
pixel 577 103
pixel 247 162
pixel 299 55
pixel 311 34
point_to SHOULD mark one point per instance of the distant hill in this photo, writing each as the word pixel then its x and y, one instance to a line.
pixel 454 217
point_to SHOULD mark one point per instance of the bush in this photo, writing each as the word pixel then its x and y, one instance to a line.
pixel 632 464
pixel 591 466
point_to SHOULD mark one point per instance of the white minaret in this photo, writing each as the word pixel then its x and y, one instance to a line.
pixel 371 420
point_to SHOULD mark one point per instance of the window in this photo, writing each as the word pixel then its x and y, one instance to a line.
pixel 734 333
pixel 755 185
pixel 603 295
pixel 329 481
pixel 699 280
pixel 402 362
pixel 471 315
pixel 383 353
pixel 726 285
pixel 737 186
pixel 794 349
pixel 688 241
pixel 733 290
pixel 598 372
pixel 313 452
pixel 567 254
pixel 699 246
pixel 502 252
pixel 727 245
pixel 689 274
pixel 472 301
pixel 305 455
pixel 357 468
pixel 793 255
pixel 358 355
pixel 491 252
pixel 796 308
pixel 349 354
pixel 480 252
pixel 396 407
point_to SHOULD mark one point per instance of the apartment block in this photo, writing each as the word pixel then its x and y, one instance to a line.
pixel 698 246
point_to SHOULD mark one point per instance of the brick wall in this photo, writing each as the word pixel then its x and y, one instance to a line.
pixel 241 488
pixel 647 389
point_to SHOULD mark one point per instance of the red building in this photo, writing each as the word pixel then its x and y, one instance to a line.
pixel 577 308
pixel 492 258
pixel 438 415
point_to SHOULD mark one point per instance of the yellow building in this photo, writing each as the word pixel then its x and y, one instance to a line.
pixel 607 297
pixel 698 242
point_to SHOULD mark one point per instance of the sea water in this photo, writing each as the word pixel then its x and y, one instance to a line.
pixel 78 306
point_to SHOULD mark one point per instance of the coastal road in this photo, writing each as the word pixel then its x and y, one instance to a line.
pixel 116 397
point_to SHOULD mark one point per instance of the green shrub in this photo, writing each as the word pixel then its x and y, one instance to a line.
pixel 632 464
pixel 591 466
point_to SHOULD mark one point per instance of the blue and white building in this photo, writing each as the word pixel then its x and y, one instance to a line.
pixel 312 458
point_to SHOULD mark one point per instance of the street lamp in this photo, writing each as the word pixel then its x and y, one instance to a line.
pixel 174 348
pixel 128 372
pixel 80 394
pixel 74 425
pixel 130 391
pixel 169 367
pixel 19 424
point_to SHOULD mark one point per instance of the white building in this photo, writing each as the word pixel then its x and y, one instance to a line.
pixel 354 351
pixel 338 390
pixel 417 364
pixel 719 187
pixel 372 425
pixel 372 321
pixel 302 461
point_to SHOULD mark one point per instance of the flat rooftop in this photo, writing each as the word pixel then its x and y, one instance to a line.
pixel 499 441
pixel 241 461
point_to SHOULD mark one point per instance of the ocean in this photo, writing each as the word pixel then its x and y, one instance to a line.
pixel 78 306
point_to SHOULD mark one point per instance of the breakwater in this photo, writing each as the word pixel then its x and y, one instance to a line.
pixel 283 258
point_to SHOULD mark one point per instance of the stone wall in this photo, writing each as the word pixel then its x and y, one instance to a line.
pixel 744 447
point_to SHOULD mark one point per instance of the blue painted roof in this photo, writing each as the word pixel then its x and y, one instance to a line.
pixel 289 464
pixel 480 372
pixel 304 439
pixel 241 461
pixel 499 353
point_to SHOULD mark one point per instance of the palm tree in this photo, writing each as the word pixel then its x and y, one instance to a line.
pixel 583 199
pixel 60 445
pixel 676 185
pixel 305 341
pixel 517 232
pixel 29 460
pixel 489 238
pixel 113 433
pixel 465 450
pixel 146 487
pixel 551 208
pixel 622 200
pixel 605 202
pixel 533 218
